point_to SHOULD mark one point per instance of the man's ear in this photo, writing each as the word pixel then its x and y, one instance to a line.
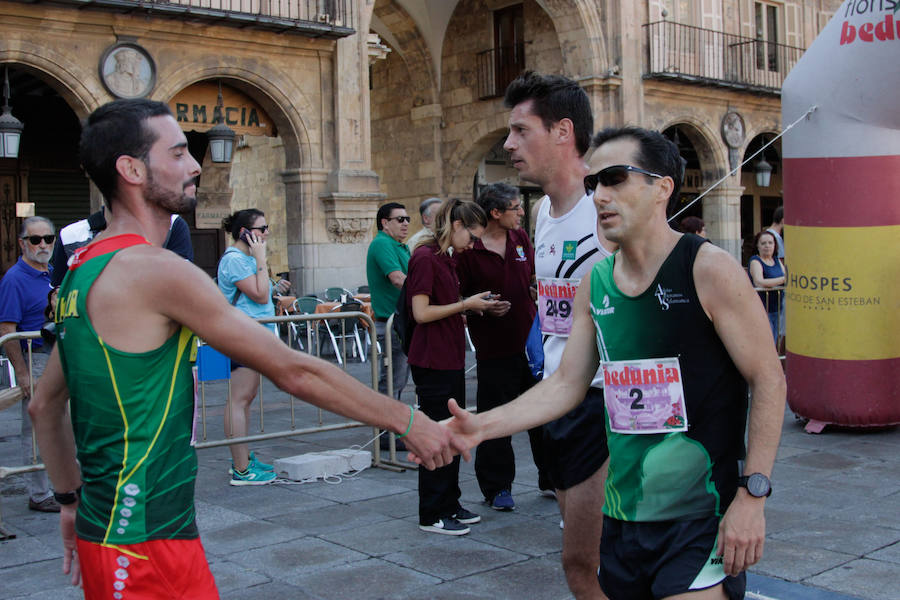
pixel 666 185
pixel 564 130
pixel 131 169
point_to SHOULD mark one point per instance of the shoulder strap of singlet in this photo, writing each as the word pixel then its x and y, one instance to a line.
pixel 105 246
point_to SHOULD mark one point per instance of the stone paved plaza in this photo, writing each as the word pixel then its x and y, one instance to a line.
pixel 832 523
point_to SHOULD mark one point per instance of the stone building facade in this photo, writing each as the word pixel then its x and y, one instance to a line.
pixel 690 68
pixel 303 73
pixel 359 101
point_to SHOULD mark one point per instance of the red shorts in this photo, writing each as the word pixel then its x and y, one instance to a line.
pixel 146 571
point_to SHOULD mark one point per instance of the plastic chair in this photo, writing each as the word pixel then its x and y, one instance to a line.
pixel 333 294
pixel 346 331
pixel 304 305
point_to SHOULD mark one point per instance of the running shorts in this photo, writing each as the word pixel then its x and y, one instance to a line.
pixel 154 570
pixel 649 560
pixel 575 444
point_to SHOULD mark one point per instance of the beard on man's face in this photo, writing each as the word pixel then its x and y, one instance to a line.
pixel 173 202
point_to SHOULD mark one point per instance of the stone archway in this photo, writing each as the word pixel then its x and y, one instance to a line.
pixel 47 172
pixel 579 27
pixel 721 205
pixel 406 116
pixel 758 202
pixel 280 175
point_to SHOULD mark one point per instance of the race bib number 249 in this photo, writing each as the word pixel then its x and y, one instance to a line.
pixel 556 302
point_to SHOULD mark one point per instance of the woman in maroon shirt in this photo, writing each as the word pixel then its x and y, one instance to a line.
pixel 437 352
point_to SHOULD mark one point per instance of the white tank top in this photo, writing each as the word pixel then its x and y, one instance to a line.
pixel 565 250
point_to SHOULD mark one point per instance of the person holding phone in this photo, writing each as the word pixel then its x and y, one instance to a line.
pixel 243 278
pixel 437 353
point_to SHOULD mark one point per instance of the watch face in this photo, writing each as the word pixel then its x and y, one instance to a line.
pixel 758 485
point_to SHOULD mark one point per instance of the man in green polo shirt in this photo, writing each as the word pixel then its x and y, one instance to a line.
pixel 386 264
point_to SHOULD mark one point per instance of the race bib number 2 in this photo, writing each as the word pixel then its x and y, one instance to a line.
pixel 556 302
pixel 644 396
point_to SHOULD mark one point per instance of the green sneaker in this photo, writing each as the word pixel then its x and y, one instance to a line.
pixel 252 476
pixel 259 464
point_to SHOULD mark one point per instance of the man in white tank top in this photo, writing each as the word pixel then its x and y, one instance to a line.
pixel 549 132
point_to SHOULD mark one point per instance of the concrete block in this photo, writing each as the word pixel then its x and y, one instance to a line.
pixel 315 465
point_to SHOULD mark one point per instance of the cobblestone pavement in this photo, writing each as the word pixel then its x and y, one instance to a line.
pixel 832 523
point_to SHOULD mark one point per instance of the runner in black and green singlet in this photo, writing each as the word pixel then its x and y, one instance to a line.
pixel 669 476
pixel 131 415
pixel 678 330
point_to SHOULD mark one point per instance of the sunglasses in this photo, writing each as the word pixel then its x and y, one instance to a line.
pixel 399 219
pixel 36 239
pixel 513 208
pixel 261 229
pixel 613 175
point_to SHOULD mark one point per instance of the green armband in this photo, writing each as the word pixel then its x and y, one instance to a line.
pixel 412 413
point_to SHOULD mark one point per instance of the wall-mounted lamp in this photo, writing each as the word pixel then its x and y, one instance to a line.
pixel 10 127
pixel 221 136
pixel 763 173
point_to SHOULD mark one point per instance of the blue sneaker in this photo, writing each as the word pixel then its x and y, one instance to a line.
pixel 260 464
pixel 503 501
pixel 252 476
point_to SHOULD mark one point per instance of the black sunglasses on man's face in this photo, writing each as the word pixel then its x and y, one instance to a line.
pixel 613 175
pixel 399 219
pixel 36 239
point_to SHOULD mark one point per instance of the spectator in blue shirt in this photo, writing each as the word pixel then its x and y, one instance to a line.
pixel 23 298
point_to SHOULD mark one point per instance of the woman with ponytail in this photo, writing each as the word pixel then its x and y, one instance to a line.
pixel 437 351
pixel 243 277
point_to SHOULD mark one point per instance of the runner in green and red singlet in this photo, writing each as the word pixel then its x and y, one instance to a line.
pixel 126 312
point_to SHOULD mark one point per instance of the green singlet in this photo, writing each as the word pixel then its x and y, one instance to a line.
pixel 132 415
pixel 671 476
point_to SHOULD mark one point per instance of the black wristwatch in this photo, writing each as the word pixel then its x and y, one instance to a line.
pixel 67 498
pixel 757 484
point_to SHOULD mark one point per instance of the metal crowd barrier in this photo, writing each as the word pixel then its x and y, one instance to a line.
pixel 779 340
pixel 288 325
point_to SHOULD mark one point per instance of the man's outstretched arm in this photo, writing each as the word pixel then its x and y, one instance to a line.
pixel 186 295
pixel 549 399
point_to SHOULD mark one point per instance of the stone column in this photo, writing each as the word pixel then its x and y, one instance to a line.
pixel 603 93
pixel 349 198
pixel 722 216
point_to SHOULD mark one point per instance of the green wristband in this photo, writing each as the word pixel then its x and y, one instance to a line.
pixel 412 413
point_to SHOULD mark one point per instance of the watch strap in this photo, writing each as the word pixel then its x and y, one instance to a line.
pixel 67 498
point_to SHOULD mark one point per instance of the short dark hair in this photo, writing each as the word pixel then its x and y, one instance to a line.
pixel 778 216
pixel 555 98
pixel 426 203
pixel 496 195
pixel 384 212
pixel 655 153
pixel 118 128
pixel 692 224
pixel 242 219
